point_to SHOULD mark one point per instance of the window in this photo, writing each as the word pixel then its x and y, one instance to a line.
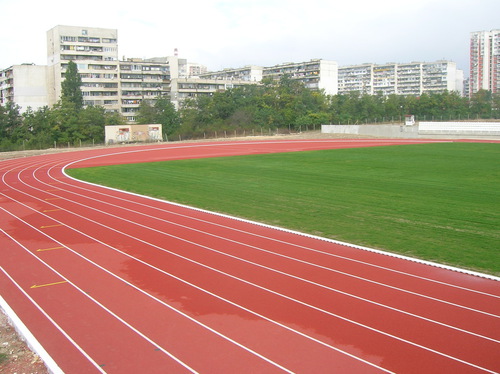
pixel 84 32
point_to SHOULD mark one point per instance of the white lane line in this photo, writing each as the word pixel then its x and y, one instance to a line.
pixel 482 275
pixel 196 287
pixel 92 299
pixel 280 255
pixel 257 286
pixel 32 341
pixel 211 249
pixel 288 274
pixel 145 293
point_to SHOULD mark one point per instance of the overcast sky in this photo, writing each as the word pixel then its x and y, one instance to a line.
pixel 234 33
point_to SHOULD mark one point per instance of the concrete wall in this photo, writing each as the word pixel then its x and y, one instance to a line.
pixel 421 130
pixel 382 131
pixel 459 128
pixel 133 133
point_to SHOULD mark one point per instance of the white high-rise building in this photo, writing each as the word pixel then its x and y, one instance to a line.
pixel 95 52
pixel 317 74
pixel 409 79
pixel 485 61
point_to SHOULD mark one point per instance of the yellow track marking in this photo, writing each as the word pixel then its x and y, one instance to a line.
pixel 48 249
pixel 46 227
pixel 48 284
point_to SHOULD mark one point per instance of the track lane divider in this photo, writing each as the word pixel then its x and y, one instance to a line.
pixel 66 280
pixel 261 287
pixel 31 340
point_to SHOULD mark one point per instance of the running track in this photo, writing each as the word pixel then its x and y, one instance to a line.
pixel 118 283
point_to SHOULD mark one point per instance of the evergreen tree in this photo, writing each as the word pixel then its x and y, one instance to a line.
pixel 71 87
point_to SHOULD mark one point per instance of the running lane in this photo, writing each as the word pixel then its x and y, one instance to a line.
pixel 113 282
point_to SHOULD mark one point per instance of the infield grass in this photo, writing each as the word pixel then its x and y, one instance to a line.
pixel 439 202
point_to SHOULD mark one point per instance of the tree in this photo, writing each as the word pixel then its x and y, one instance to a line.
pixel 10 119
pixel 71 92
pixel 496 105
pixel 146 113
pixel 162 112
pixel 91 123
pixel 167 115
pixel 481 104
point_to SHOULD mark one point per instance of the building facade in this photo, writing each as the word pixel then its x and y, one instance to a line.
pixel 249 73
pixel 95 52
pixel 182 89
pixel 25 85
pixel 141 80
pixel 316 74
pixel 122 85
pixel 409 79
pixel 357 78
pixel 485 61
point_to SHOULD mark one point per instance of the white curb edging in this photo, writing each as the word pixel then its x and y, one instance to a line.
pixel 29 338
pixel 417 260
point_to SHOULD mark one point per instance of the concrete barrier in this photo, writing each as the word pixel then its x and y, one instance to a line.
pixel 420 130
pixel 459 128
pixel 382 131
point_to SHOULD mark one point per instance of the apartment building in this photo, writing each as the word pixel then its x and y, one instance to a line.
pixel 25 85
pixel 356 78
pixel 442 75
pixel 121 85
pixel 249 73
pixel 411 79
pixel 95 52
pixel 142 80
pixel 384 79
pixel 316 74
pixel 182 89
pixel 485 61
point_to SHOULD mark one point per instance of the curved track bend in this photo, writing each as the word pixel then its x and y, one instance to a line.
pixel 113 282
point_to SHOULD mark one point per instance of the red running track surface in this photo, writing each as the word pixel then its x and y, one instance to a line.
pixel 113 282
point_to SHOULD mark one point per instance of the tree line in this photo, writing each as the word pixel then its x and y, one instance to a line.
pixel 288 104
pixel 271 105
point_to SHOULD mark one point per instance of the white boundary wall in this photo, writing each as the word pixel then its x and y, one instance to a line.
pixel 458 128
pixel 423 129
pixel 388 131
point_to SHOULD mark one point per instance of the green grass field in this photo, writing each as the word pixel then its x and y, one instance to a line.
pixel 439 202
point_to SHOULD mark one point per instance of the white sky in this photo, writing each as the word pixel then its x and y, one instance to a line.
pixel 233 33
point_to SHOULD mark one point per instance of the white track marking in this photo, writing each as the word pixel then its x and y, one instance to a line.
pixel 46 358
pixel 189 284
pixel 257 286
pixel 139 213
